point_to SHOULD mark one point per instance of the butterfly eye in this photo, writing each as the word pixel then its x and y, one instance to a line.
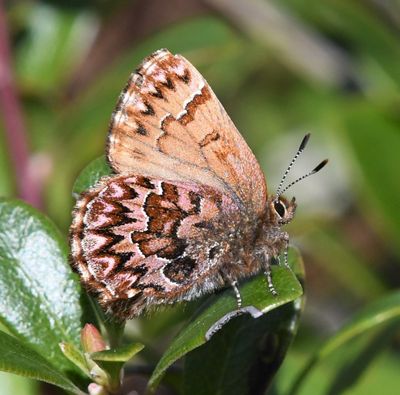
pixel 280 209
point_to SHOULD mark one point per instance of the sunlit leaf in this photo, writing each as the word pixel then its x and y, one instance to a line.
pixel 39 294
pixel 75 356
pixel 17 358
pixel 121 354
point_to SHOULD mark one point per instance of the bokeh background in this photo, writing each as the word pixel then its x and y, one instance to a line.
pixel 281 69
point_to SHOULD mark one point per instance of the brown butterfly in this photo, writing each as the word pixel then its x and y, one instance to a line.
pixel 187 210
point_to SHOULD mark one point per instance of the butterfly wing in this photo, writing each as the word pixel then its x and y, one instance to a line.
pixel 138 241
pixel 169 124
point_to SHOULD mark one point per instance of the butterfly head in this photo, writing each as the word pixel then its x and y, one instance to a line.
pixel 280 210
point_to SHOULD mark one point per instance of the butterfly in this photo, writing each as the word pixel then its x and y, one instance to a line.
pixel 187 209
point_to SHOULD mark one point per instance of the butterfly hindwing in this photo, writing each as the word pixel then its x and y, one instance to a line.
pixel 138 240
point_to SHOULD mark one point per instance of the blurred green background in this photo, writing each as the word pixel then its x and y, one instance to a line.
pixel 281 69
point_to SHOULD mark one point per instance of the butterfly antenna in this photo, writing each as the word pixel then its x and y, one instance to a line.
pixel 298 153
pixel 315 170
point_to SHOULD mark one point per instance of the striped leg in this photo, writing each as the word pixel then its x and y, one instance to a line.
pixel 237 294
pixel 286 252
pixel 271 287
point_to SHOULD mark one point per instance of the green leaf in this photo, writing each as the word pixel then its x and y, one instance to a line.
pixel 383 311
pixel 244 356
pixel 382 186
pixel 12 384
pixel 53 44
pixel 256 301
pixel 121 354
pixel 39 294
pixel 91 174
pixel 19 359
pixel 353 368
pixel 112 361
pixel 76 356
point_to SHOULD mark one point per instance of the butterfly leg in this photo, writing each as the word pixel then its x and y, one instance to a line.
pixel 286 251
pixel 285 237
pixel 266 265
pixel 237 294
pixel 271 287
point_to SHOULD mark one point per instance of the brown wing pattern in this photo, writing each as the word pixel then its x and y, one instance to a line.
pixel 138 241
pixel 168 124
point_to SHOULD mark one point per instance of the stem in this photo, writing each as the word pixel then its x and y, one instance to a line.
pixel 112 327
pixel 15 131
pixel 115 331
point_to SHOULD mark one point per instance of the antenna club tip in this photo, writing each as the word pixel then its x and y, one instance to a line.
pixel 304 141
pixel 321 165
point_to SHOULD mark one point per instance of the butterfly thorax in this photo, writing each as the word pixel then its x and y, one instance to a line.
pixel 250 241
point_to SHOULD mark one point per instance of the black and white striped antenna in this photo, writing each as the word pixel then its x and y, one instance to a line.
pixel 298 153
pixel 315 170
pixel 303 144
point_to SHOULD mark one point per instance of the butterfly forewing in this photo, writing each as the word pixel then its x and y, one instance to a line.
pixel 169 125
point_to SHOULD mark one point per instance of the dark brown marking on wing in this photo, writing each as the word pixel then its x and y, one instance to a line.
pixel 141 130
pixel 212 252
pixel 195 199
pixel 166 121
pixel 210 137
pixel 158 93
pixel 144 182
pixel 149 109
pixel 179 270
pixel 204 225
pixel 185 77
pixel 168 83
pixel 192 106
pixel 156 287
